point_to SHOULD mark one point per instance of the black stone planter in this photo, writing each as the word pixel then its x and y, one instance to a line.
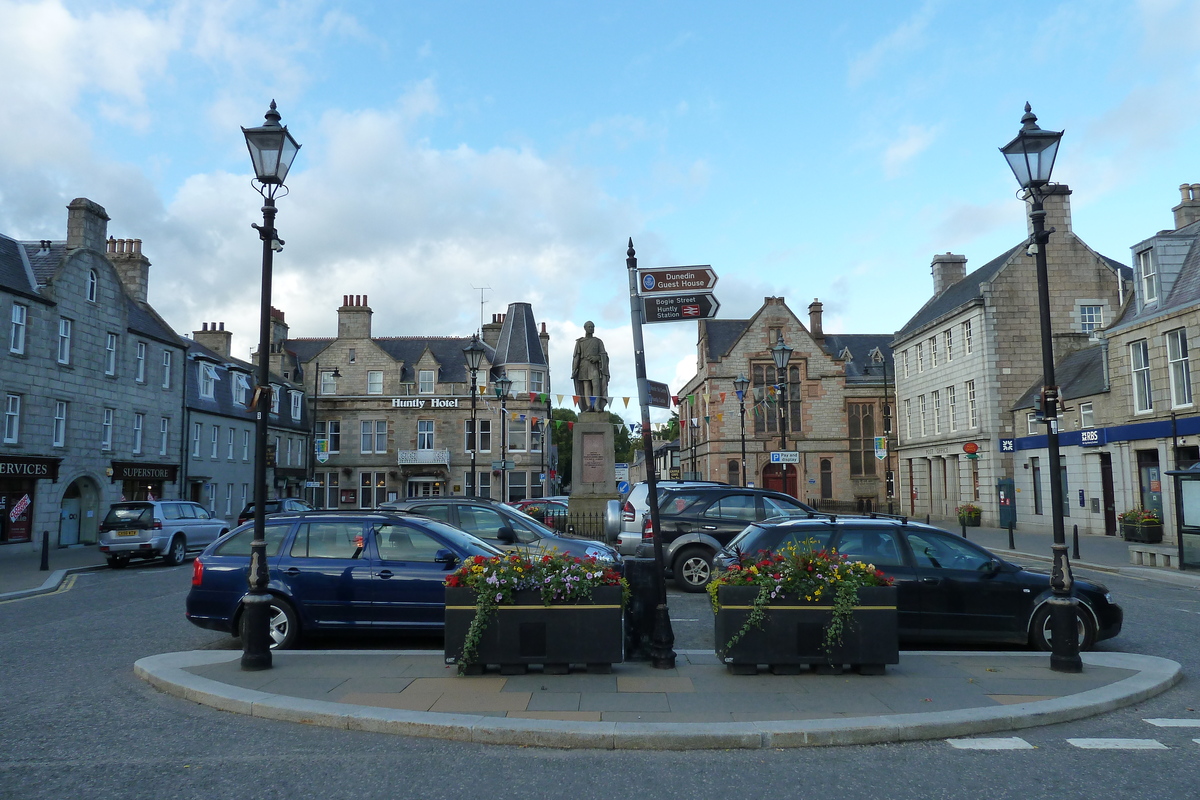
pixel 1146 533
pixel 970 522
pixel 793 633
pixel 528 632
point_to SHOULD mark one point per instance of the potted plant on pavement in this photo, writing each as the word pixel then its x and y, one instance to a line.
pixel 969 514
pixel 1141 525
pixel 515 610
pixel 803 606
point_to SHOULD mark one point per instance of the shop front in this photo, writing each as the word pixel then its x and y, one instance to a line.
pixel 18 494
pixel 142 481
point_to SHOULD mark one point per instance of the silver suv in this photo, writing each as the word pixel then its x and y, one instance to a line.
pixel 636 504
pixel 154 528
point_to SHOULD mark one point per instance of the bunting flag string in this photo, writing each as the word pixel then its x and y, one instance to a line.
pixel 560 399
pixel 722 398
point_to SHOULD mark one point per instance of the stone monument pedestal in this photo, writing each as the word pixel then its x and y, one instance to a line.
pixel 593 466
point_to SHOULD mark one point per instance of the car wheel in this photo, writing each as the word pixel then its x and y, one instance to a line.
pixel 693 569
pixel 282 625
pixel 177 551
pixel 1041 638
pixel 118 562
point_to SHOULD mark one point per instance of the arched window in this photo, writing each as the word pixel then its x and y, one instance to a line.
pixel 734 472
pixel 826 479
pixel 93 282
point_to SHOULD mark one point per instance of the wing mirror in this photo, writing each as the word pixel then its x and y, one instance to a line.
pixel 990 568
pixel 446 558
pixel 507 535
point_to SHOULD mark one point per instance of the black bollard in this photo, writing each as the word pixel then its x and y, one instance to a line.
pixel 1011 544
pixel 639 614
pixel 926 519
pixel 964 528
pixel 1075 542
pixel 45 552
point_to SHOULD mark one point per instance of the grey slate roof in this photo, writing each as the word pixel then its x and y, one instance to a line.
pixel 957 295
pixel 222 401
pixel 723 334
pixel 44 258
pixel 860 368
pixel 1079 374
pixel 146 321
pixel 407 350
pixel 1185 291
pixel 16 275
pixel 518 342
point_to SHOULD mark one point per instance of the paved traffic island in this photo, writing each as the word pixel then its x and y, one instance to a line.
pixel 697 705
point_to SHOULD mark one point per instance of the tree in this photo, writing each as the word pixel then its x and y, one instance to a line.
pixel 670 432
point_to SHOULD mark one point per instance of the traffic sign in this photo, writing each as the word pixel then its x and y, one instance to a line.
pixel 785 457
pixel 673 280
pixel 504 465
pixel 659 396
pixel 672 308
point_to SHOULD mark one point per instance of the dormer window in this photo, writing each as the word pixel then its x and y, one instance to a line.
pixel 208 380
pixel 425 381
pixel 1148 276
pixel 846 355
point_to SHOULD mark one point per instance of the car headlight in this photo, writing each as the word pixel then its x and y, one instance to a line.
pixel 1108 598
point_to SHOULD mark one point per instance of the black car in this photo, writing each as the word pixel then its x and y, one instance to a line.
pixel 697 521
pixel 278 506
pixel 331 570
pixel 501 526
pixel 949 589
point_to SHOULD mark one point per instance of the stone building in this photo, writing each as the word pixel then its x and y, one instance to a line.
pixel 1130 411
pixel 970 353
pixel 92 380
pixel 838 390
pixel 218 459
pixel 394 413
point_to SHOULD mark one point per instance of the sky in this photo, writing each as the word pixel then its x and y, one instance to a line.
pixel 461 156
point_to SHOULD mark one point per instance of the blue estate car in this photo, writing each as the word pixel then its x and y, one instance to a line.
pixel 334 571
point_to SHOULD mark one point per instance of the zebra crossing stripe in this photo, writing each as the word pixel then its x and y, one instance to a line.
pixel 1118 744
pixel 1174 723
pixel 998 743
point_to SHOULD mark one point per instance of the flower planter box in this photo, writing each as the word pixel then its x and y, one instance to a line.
pixel 970 522
pixel 793 633
pixel 528 632
pixel 1146 532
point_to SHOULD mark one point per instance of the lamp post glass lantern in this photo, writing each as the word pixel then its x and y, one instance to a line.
pixel 740 385
pixel 782 355
pixel 272 150
pixel 1031 157
pixel 503 386
pixel 474 356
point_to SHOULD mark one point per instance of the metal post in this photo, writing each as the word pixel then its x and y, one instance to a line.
pixel 45 565
pixel 474 433
pixel 504 447
pixel 1011 544
pixel 742 414
pixel 964 528
pixel 1065 646
pixel 256 639
pixel 662 641
pixel 1075 542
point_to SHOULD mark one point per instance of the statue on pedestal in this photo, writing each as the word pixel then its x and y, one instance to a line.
pixel 589 370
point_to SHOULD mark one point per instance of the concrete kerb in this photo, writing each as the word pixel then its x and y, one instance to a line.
pixel 52 582
pixel 169 674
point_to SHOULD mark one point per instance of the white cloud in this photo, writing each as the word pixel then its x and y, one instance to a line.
pixel 907 37
pixel 914 140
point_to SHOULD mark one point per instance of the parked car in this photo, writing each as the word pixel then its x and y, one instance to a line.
pixel 278 506
pixel 949 589
pixel 551 513
pixel 157 528
pixel 501 526
pixel 635 504
pixel 697 521
pixel 331 570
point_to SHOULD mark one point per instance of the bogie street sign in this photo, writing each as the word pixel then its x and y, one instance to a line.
pixel 672 308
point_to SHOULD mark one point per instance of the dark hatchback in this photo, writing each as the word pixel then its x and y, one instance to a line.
pixel 949 589
pixel 334 571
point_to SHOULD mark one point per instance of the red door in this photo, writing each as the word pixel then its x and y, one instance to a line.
pixel 780 478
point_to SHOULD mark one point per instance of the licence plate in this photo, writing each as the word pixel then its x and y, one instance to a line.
pixel 128 533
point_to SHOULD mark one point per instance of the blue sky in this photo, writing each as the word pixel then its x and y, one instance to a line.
pixel 802 149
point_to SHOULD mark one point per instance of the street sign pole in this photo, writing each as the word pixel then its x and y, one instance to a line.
pixel 662 641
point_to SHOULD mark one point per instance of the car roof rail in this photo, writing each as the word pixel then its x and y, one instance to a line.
pixel 880 515
pixel 826 514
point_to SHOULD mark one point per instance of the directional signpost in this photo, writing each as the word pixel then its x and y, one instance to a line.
pixel 676 307
pixel 659 394
pixel 673 280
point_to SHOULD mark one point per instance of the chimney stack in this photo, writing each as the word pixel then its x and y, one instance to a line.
pixel 87 225
pixel 1188 210
pixel 948 270
pixel 214 336
pixel 814 320
pixel 132 267
pixel 354 317
pixel 491 330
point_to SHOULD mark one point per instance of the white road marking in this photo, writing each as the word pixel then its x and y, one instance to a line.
pixel 1174 723
pixel 1005 743
pixel 1118 744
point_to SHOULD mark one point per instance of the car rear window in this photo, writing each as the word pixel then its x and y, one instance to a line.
pixel 239 543
pixel 130 515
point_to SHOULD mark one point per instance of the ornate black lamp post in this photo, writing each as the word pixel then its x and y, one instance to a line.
pixel 272 149
pixel 782 355
pixel 312 471
pixel 1031 156
pixel 740 385
pixel 694 428
pixel 474 355
pixel 503 385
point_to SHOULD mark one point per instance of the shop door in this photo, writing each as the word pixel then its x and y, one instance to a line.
pixel 1109 495
pixel 68 526
pixel 780 478
pixel 1150 481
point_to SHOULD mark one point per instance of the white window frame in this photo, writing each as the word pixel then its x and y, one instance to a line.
pixel 328 382
pixel 907 419
pixel 276 391
pixel 64 340
pixel 92 285
pixel 229 444
pixel 518 435
pixel 297 405
pixel 110 354
pixel 425 431
pixel 951 402
pixel 936 397
pixel 106 430
pixel 906 371
pixel 972 408
pixel 215 444
pixel 1148 275
pixel 12 419
pixel 1179 368
pixel 139 423
pixel 59 435
pixel 139 373
pixel 208 379
pixel 16 336
pixel 197 430
pixel 933 352
pixel 520 384
pixel 921 413
pixel 241 387
pixel 1139 369
pixel 1087 416
pixel 375 381
pixel 1031 423
pixel 164 435
pixel 948 344
pixel 1088 321
pixel 920 357
pixel 484 428
pixel 245 445
pixel 968 337
pixel 426 381
pixel 372 436
pixel 166 365
pixel 537 381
